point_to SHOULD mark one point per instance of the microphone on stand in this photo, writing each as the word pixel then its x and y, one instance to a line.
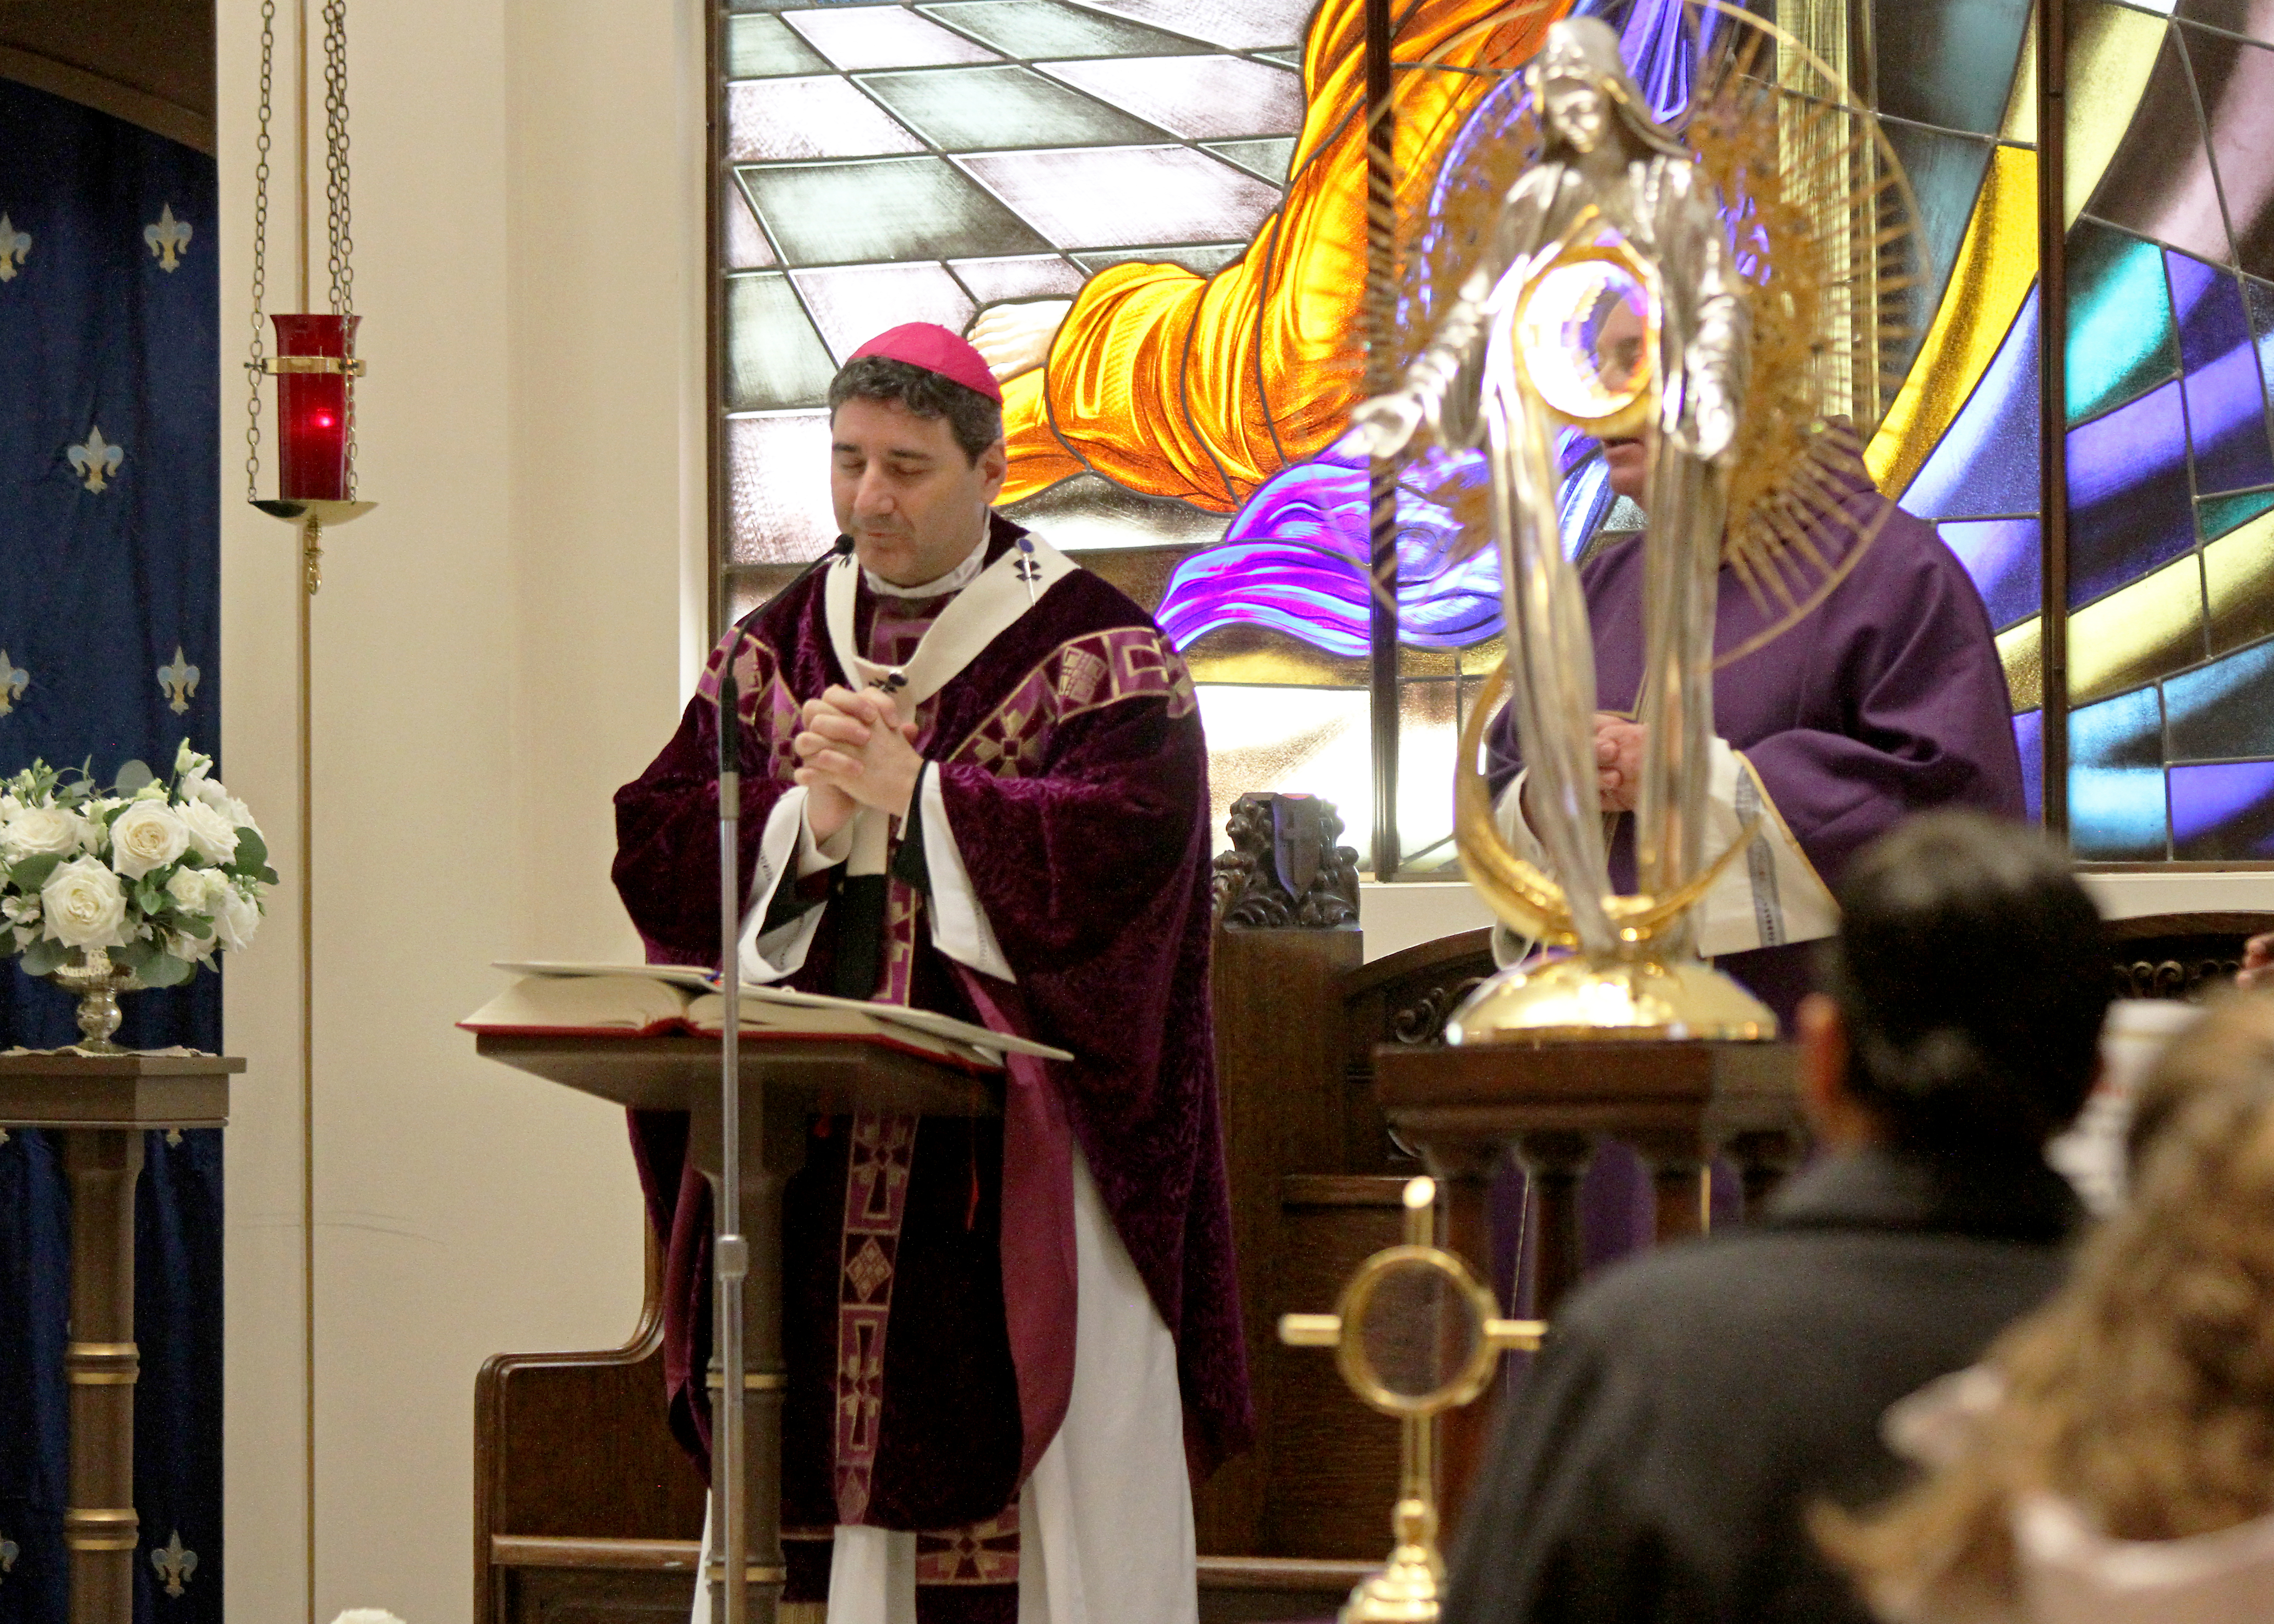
pixel 731 1251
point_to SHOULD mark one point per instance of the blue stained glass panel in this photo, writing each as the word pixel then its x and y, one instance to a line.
pixel 2029 739
pixel 2116 779
pixel 1986 461
pixel 2223 813
pixel 2129 506
pixel 2121 340
pixel 2223 710
pixel 2004 557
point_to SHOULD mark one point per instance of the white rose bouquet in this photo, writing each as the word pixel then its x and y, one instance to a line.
pixel 158 875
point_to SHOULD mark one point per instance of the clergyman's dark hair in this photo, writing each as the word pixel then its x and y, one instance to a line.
pixel 1972 973
pixel 975 421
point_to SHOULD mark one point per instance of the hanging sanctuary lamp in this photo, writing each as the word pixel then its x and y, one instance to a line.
pixel 315 364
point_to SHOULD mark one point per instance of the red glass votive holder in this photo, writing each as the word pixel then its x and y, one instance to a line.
pixel 312 408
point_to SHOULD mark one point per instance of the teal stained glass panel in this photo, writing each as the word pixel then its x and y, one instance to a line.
pixel 763 47
pixel 1033 29
pixel 984 109
pixel 774 358
pixel 2216 515
pixel 2224 709
pixel 2122 341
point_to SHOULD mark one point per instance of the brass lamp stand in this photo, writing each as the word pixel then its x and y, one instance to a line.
pixel 1415 1334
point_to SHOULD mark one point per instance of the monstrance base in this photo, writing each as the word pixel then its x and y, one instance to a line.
pixel 1629 1000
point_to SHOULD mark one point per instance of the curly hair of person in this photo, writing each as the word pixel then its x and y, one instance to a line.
pixel 2143 1392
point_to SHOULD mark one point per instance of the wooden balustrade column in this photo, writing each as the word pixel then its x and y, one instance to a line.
pixel 100 1529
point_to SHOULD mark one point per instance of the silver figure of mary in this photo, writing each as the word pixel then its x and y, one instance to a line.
pixel 1606 297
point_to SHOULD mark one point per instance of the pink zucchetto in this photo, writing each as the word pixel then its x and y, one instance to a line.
pixel 936 350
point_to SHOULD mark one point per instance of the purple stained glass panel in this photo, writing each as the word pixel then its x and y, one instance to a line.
pixel 2130 509
pixel 2226 419
pixel 2259 297
pixel 2227 405
pixel 1986 461
pixel 2004 557
pixel 2223 813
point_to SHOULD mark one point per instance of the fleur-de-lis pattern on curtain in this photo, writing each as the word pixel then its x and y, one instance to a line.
pixel 109 573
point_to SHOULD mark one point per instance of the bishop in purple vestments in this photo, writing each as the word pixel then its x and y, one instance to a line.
pixel 973 781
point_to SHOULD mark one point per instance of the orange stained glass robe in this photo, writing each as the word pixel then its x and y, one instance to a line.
pixel 1201 388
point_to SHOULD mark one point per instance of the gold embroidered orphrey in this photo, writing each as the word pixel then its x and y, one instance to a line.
pixel 1729 290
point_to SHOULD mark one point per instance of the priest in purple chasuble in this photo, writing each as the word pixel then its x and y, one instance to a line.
pixel 1885 700
pixel 973 781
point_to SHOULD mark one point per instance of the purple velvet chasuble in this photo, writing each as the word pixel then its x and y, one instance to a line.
pixel 1887 699
pixel 927 1318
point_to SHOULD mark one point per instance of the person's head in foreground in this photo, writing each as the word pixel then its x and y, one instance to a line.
pixel 2116 1463
pixel 1964 999
pixel 1688 1406
pixel 916 453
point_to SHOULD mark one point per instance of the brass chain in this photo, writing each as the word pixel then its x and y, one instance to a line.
pixel 335 195
pixel 255 367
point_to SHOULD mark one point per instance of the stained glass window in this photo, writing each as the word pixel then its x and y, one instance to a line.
pixel 1186 178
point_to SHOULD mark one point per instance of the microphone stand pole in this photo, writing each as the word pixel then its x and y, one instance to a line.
pixel 729 1470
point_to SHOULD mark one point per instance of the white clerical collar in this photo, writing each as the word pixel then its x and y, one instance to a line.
pixel 954 580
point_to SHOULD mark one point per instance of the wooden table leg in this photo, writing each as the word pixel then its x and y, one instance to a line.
pixel 100 1529
pixel 1677 1163
pixel 1464 1169
pixel 1554 1163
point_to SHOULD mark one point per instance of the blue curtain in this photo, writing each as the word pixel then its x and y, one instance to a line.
pixel 110 652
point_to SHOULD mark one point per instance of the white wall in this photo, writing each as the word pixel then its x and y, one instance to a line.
pixel 496 648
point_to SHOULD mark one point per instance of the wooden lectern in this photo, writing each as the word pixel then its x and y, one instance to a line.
pixel 103 1104
pixel 785 1078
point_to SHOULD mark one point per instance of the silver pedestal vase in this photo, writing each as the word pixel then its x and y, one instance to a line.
pixel 97 983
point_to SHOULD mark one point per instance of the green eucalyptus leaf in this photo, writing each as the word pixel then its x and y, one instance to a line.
pixel 135 955
pixel 33 872
pixel 45 957
pixel 251 850
pixel 193 925
pixel 165 970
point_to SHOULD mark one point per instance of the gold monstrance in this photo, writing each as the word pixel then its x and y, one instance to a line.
pixel 1730 290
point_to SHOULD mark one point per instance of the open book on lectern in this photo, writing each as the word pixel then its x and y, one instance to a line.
pixel 616 1000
